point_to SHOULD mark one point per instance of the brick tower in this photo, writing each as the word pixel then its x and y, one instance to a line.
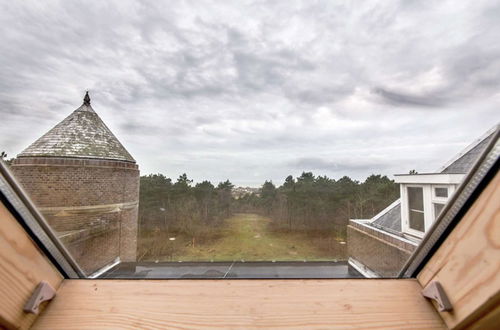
pixel 86 185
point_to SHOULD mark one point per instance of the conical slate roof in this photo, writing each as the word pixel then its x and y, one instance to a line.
pixel 81 135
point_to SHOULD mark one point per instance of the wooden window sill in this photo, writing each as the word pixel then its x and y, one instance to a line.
pixel 349 303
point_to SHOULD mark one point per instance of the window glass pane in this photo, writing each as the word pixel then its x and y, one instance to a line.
pixel 226 134
pixel 441 192
pixel 417 220
pixel 416 198
pixel 438 207
pixel 416 208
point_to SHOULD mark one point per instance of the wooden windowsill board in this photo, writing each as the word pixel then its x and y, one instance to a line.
pixel 160 304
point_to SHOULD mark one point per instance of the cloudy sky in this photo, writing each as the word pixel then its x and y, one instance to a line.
pixel 256 90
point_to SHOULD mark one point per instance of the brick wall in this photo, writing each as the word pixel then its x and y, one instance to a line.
pixel 93 247
pixel 383 253
pixel 92 203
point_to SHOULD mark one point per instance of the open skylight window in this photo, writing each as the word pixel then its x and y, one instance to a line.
pixel 241 140
pixel 108 240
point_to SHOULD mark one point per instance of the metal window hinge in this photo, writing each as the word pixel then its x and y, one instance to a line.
pixel 43 292
pixel 435 291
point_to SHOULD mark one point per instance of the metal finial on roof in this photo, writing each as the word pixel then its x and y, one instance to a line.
pixel 86 99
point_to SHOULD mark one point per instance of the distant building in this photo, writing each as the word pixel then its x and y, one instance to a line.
pixel 239 192
pixel 380 246
pixel 86 185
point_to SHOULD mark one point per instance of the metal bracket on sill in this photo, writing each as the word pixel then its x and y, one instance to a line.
pixel 43 292
pixel 435 291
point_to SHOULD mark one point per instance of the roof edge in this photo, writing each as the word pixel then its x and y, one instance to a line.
pixel 387 209
pixel 469 147
pixel 78 157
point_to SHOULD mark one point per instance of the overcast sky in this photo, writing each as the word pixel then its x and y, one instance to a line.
pixel 256 90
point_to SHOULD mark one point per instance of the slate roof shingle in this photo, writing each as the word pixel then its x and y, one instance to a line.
pixel 390 221
pixel 465 162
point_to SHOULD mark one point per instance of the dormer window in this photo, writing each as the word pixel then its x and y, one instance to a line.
pixel 423 197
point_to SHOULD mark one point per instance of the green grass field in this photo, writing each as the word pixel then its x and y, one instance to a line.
pixel 248 237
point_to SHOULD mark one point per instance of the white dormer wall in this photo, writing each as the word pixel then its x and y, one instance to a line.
pixel 433 198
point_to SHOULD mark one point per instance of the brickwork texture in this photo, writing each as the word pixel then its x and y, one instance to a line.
pixel 91 204
pixel 380 252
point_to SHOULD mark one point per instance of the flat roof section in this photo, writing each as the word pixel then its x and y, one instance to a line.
pixel 231 270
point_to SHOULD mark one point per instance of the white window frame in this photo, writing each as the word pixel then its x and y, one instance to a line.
pixel 429 200
pixel 440 200
pixel 410 210
pixel 450 188
pixel 405 210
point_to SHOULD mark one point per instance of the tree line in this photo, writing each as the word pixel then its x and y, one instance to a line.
pixel 307 202
pixel 181 206
pixel 311 202
pixel 179 210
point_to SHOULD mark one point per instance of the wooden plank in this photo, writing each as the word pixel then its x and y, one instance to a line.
pixel 490 321
pixel 22 267
pixel 468 263
pixel 194 304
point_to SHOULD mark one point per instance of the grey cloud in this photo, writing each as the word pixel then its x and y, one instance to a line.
pixel 339 166
pixel 475 72
pixel 140 129
pixel 242 88
pixel 317 95
pixel 406 99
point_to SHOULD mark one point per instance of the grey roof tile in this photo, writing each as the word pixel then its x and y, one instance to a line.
pixel 390 220
pixel 464 163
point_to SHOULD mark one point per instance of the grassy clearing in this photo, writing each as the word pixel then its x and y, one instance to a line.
pixel 248 237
